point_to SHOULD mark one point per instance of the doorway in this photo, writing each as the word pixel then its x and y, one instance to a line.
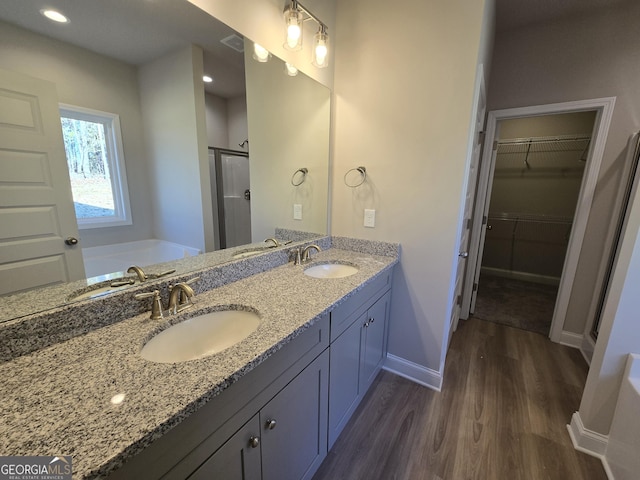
pixel 232 196
pixel 539 165
pixel 603 109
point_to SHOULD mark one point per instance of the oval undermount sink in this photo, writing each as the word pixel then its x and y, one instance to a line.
pixel 250 252
pixel 200 336
pixel 331 270
pixel 97 291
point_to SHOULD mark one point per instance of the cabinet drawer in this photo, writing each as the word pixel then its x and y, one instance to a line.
pixel 341 316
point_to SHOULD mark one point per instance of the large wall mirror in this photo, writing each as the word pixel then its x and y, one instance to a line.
pixel 143 62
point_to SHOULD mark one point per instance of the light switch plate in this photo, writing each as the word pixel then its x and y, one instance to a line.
pixel 369 218
pixel 297 211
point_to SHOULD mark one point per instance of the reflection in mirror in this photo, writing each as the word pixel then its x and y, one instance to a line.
pixel 144 62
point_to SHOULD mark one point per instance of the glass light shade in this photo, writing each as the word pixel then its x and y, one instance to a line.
pixel 320 49
pixel 260 53
pixel 293 24
pixel 290 69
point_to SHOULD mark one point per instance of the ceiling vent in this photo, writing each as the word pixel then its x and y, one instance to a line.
pixel 234 41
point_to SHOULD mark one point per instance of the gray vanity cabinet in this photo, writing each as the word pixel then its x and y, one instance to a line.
pixel 294 425
pixel 356 354
pixel 238 459
pixel 287 439
pixel 374 341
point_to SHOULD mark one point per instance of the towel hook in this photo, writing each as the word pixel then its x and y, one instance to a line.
pixel 302 177
pixel 363 173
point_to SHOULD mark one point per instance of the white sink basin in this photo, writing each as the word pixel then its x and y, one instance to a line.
pixel 331 270
pixel 200 336
pixel 97 291
pixel 249 253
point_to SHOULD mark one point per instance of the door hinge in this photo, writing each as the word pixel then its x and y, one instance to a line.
pixel 495 145
pixel 484 219
pixel 459 300
pixel 468 223
pixel 481 136
pixel 475 287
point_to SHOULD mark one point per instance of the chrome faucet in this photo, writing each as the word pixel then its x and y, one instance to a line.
pixel 138 271
pixel 305 252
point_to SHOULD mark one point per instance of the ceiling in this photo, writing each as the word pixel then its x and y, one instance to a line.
pixel 136 32
pixel 520 13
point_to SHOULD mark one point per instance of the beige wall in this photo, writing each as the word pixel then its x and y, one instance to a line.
pixel 172 99
pixel 583 57
pixel 226 121
pixel 90 80
pixel 216 115
pixel 294 103
pixel 237 122
pixel 404 89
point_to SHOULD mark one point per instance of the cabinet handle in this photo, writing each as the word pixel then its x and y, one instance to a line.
pixel 371 320
pixel 271 424
pixel 254 442
pixel 366 324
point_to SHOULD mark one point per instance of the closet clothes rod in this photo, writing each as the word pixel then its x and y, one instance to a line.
pixel 514 217
pixel 549 139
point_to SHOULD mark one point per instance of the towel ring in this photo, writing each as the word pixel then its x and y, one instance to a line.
pixel 363 173
pixel 303 176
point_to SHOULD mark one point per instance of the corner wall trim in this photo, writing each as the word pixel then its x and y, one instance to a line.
pixel 585 440
pixel 571 339
pixel 414 372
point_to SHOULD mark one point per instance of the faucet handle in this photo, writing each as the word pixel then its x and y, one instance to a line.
pixel 298 256
pixel 156 303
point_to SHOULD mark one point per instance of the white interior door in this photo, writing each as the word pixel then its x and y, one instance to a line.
pixel 36 205
pixel 480 231
pixel 472 181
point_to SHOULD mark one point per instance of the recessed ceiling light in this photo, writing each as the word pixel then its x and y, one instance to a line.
pixel 207 79
pixel 54 15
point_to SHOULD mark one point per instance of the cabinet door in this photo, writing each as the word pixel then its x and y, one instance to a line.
pixel 294 425
pixel 373 337
pixel 237 459
pixel 344 367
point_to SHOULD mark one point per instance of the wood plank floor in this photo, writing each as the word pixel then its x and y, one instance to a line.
pixel 507 397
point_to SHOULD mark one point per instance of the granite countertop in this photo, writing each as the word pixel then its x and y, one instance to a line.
pixel 57 400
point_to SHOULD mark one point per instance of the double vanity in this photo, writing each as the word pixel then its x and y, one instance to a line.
pixel 266 400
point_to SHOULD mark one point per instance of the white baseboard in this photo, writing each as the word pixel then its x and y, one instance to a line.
pixel 414 372
pixel 524 276
pixel 585 440
pixel 571 339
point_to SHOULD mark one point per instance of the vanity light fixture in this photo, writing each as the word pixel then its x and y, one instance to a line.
pixel 294 15
pixel 290 69
pixel 320 48
pixel 54 15
pixel 260 53
pixel 207 79
pixel 293 19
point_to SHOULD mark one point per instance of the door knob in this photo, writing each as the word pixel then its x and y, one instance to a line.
pixel 463 254
pixel 71 241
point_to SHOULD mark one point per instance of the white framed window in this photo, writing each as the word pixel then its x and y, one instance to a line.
pixel 95 158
